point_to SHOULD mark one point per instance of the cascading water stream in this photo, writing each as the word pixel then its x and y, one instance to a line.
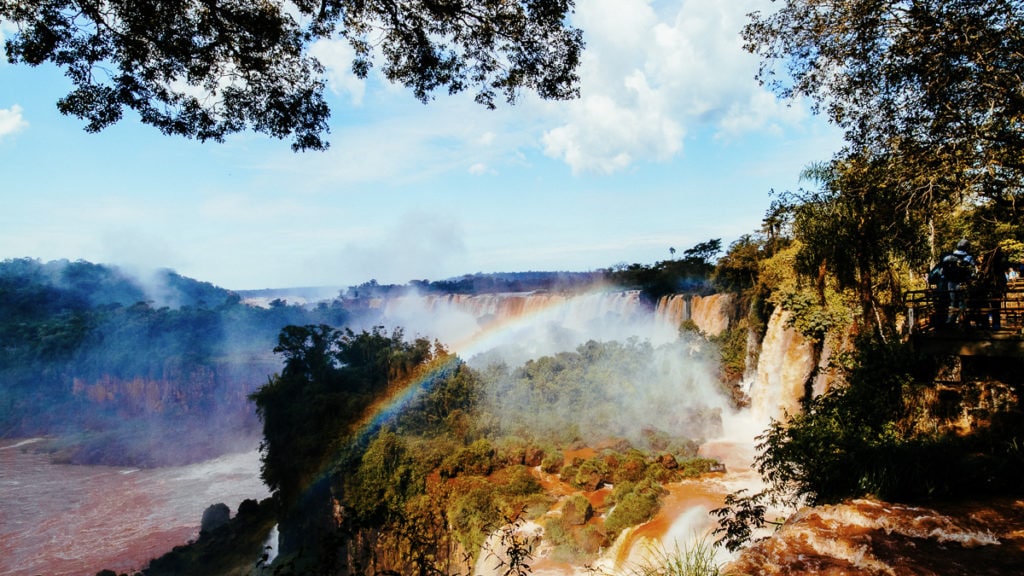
pixel 785 361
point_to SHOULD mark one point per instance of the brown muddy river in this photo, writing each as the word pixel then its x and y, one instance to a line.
pixel 77 520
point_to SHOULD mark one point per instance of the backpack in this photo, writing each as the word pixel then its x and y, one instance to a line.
pixel 954 269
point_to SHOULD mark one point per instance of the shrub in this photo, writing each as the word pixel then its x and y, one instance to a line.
pixel 510 450
pixel 477 459
pixel 536 505
pixel 692 467
pixel 576 510
pixel 516 481
pixel 568 471
pixel 632 468
pixel 516 489
pixel 552 462
pixel 591 474
pixel 472 511
pixel 635 503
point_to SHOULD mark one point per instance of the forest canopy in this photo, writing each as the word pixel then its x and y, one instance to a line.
pixel 205 70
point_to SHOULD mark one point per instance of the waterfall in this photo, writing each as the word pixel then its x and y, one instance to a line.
pixel 535 323
pixel 673 309
pixel 540 323
pixel 270 546
pixel 711 313
pixel 785 362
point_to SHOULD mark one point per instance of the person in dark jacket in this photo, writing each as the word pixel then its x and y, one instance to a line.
pixel 958 269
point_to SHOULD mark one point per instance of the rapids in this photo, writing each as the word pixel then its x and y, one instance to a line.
pixel 62 519
pixel 871 538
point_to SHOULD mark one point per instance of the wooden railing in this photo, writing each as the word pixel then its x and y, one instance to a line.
pixel 983 310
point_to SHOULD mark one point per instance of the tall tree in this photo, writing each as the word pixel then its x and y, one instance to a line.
pixel 930 94
pixel 935 86
pixel 856 227
pixel 205 68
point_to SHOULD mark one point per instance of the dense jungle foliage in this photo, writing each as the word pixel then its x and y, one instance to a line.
pixel 386 454
pixel 883 428
pixel 689 274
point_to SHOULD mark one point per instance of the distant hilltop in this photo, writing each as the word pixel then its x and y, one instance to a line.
pixel 101 284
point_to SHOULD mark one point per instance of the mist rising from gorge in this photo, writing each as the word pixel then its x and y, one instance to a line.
pixel 620 369
pixel 113 365
pixel 116 364
pixel 628 390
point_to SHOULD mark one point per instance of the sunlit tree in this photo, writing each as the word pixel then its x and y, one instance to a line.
pixel 930 94
pixel 933 88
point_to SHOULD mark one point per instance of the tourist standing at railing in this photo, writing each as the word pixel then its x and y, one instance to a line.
pixel 958 269
pixel 938 281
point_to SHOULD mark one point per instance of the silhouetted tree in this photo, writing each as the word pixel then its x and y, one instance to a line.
pixel 206 69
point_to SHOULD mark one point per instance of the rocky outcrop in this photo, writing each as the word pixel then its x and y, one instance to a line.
pixel 215 516
pixel 868 538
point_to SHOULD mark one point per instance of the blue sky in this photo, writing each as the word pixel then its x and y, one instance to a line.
pixel 672 143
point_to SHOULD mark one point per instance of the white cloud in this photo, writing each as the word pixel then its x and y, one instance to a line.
pixel 655 71
pixel 399 140
pixel 11 121
pixel 421 244
pixel 336 56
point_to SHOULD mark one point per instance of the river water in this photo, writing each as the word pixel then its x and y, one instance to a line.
pixel 58 519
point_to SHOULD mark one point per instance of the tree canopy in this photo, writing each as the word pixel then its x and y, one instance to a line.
pixel 206 69
pixel 929 93
pixel 936 81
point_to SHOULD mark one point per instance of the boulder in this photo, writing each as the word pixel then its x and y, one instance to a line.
pixel 214 517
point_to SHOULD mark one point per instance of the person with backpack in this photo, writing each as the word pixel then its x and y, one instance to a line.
pixel 940 286
pixel 957 269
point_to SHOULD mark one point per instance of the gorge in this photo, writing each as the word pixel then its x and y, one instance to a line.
pixel 537 323
pixel 485 328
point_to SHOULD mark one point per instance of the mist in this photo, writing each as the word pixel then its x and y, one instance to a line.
pixel 610 391
pixel 516 327
pixel 140 359
pixel 613 367
pixel 110 364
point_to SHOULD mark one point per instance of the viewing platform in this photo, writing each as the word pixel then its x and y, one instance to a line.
pixel 990 323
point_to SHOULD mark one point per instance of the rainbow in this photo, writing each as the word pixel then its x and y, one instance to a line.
pixel 398 396
pixel 401 393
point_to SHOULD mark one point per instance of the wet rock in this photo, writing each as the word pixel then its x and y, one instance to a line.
pixel 869 537
pixel 214 517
